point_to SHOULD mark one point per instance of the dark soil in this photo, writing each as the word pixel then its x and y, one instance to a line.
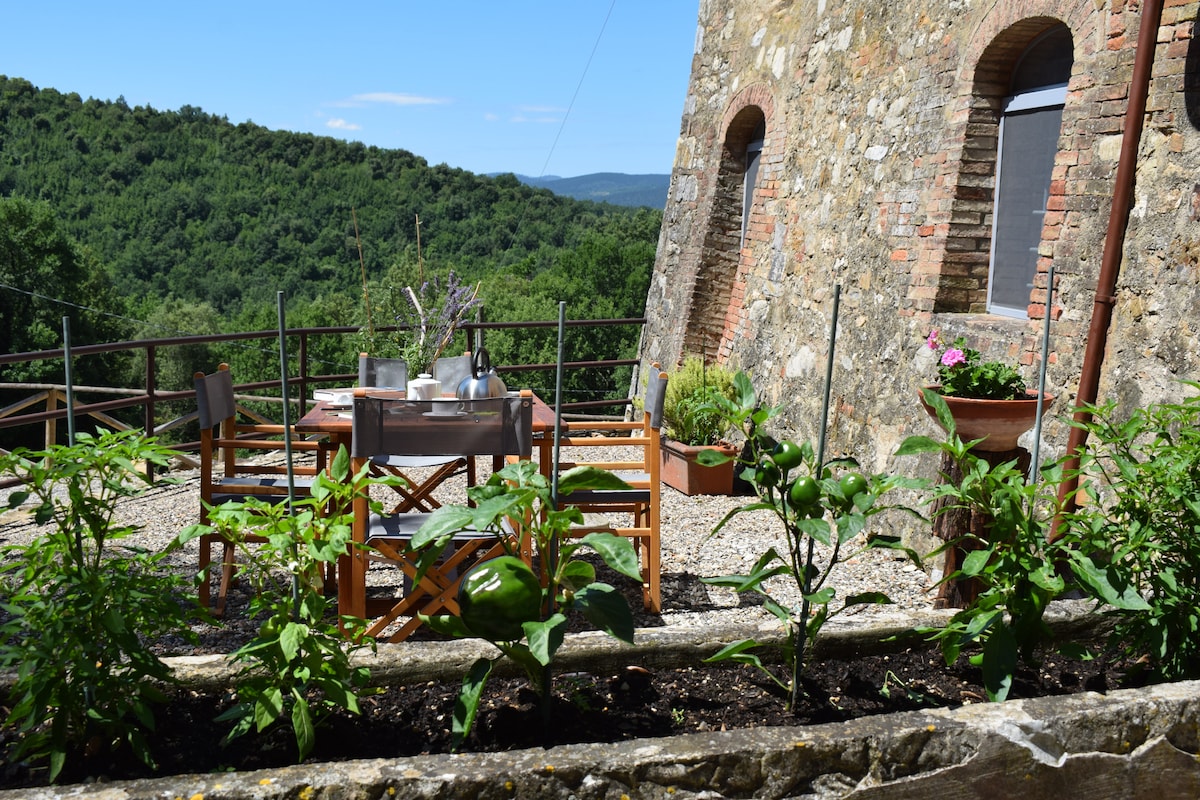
pixel 586 708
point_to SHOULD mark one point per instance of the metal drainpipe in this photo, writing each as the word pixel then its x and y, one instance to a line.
pixel 1114 246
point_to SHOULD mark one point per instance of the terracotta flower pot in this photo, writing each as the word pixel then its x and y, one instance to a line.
pixel 998 422
pixel 681 471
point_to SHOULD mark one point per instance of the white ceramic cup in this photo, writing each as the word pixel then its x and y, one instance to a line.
pixel 447 409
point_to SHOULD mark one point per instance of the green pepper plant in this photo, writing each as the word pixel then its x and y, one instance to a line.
pixel 503 601
pixel 80 605
pixel 1141 477
pixel 1020 569
pixel 828 504
pixel 299 662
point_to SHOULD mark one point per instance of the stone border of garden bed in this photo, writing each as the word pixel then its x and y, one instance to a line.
pixel 1137 742
pixel 668 647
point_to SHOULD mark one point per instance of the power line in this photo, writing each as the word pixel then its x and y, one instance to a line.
pixel 578 86
pixel 69 304
pixel 562 125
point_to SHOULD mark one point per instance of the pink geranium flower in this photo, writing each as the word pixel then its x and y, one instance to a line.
pixel 953 357
pixel 963 373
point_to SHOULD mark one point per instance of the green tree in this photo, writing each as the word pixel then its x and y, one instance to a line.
pixel 178 364
pixel 44 276
pixel 182 207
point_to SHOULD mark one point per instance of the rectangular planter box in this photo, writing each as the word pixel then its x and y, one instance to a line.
pixel 680 470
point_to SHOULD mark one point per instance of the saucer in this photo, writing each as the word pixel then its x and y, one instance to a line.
pixel 437 414
pixel 329 394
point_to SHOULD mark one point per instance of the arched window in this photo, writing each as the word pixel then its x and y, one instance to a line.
pixel 1029 128
pixel 753 154
pixel 728 228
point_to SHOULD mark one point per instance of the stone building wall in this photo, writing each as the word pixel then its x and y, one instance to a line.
pixel 877 173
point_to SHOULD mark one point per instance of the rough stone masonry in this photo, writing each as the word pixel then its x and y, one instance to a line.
pixel 869 133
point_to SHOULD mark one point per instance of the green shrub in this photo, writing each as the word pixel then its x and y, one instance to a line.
pixel 533 626
pixel 1018 566
pixel 689 414
pixel 830 505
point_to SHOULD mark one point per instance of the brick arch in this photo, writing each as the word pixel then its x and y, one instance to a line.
pixel 716 309
pixel 956 261
pixel 1080 16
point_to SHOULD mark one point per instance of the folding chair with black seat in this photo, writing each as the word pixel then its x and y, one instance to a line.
pixel 229 475
pixel 416 494
pixel 632 512
pixel 498 427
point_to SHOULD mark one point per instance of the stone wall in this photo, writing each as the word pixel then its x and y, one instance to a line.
pixel 876 175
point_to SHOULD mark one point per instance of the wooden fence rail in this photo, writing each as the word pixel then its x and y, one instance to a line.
pixel 51 399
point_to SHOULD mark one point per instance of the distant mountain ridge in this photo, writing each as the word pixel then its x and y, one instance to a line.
pixel 608 187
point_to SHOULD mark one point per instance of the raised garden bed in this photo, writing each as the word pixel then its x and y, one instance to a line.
pixel 625 694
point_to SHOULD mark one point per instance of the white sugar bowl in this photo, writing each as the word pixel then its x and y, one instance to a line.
pixel 423 388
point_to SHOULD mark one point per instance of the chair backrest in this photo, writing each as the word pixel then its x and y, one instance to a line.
pixel 451 370
pixel 596 439
pixel 656 393
pixel 214 397
pixel 499 426
pixel 223 436
pixel 376 372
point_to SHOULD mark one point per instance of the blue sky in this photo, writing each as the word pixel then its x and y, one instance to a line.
pixel 535 87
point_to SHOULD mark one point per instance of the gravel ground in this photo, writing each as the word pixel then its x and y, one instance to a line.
pixel 689 553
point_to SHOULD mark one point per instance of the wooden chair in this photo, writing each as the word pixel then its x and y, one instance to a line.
pixel 641 504
pixel 415 495
pixel 227 474
pixel 498 427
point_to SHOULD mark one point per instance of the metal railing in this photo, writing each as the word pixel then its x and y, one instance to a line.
pixel 51 398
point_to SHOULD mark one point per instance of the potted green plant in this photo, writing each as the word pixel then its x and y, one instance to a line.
pixel 693 424
pixel 989 401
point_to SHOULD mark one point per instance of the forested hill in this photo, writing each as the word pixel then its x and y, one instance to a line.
pixel 184 205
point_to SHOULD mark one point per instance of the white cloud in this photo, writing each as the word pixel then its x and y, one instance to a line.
pixel 342 125
pixel 396 99
pixel 521 119
pixel 538 115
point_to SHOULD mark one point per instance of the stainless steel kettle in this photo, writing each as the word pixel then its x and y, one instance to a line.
pixel 483 382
